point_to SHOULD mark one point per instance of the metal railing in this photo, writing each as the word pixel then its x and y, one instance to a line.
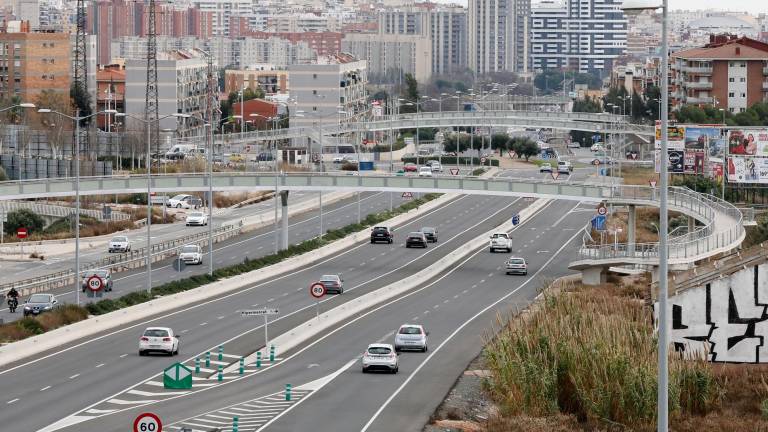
pixel 123 261
pixel 59 211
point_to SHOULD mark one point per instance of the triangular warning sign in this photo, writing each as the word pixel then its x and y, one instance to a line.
pixel 555 175
pixel 454 171
pixel 652 182
pixel 407 195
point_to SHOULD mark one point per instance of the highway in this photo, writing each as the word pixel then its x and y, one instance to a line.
pixel 253 244
pixel 80 376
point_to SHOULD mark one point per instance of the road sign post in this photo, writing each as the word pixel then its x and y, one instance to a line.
pixel 147 422
pixel 318 291
pixel 265 312
pixel 177 376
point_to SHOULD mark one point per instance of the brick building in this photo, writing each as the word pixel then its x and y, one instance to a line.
pixel 729 72
pixel 31 62
pixel 110 85
pixel 270 79
pixel 255 111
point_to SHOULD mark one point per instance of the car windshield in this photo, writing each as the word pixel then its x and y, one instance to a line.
pixel 415 234
pixel 427 230
pixel 330 278
pixel 380 229
pixel 410 330
pixel 195 215
pixel 517 261
pixel 499 236
pixel 39 298
pixel 189 249
pixel 156 333
pixel 379 350
pixel 120 239
pixel 179 197
pixel 99 273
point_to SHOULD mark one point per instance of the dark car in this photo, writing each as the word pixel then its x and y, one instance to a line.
pixel 39 303
pixel 333 283
pixel 265 157
pixel 416 239
pixel 381 233
pixel 430 233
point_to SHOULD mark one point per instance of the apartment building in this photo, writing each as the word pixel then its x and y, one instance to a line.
pixel 391 56
pixel 110 94
pixel 223 11
pixel 498 35
pixel 31 62
pixel 269 78
pixel 583 35
pixel 729 72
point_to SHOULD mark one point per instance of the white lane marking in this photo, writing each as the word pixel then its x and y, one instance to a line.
pixel 456 296
pixel 457 330
pixel 482 280
pixel 270 300
pixel 45 388
pixel 464 292
pixel 12 401
pixel 445 301
pixel 185 330
pixel 74 376
pixel 491 274
pixel 99 365
pixel 220 317
pixel 123 356
pixel 202 324
pixel 415 318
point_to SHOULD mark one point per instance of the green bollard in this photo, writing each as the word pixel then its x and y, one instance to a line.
pixel 272 354
pixel 258 360
pixel 221 374
pixel 287 392
pixel 242 365
pixel 197 365
pixel 208 359
pixel 221 352
pixel 235 421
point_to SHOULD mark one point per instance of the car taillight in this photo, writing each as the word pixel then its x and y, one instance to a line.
pixel 145 339
pixel 166 339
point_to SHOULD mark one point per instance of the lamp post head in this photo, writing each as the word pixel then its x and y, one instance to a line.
pixel 27 105
pixel 44 110
pixel 636 7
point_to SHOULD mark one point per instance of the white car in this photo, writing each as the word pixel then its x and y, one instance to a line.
pixel 597 148
pixel 380 357
pixel 182 201
pixel 158 339
pixel 564 167
pixel 500 240
pixel 435 165
pixel 411 337
pixel 545 167
pixel 197 218
pixel 338 159
pixel 191 254
pixel 425 171
pixel 119 244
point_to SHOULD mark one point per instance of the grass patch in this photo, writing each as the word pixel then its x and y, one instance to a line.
pixel 634 175
pixel 31 326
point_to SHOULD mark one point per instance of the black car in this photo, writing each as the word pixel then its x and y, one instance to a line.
pixel 430 233
pixel 39 303
pixel 265 157
pixel 382 234
pixel 415 239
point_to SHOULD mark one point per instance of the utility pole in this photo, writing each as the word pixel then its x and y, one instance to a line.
pixel 150 100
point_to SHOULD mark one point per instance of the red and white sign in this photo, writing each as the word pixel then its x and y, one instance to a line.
pixel 652 182
pixel 317 290
pixel 147 422
pixel 512 154
pixel 21 233
pixel 454 171
pixel 596 162
pixel 95 283
pixel 483 160
pixel 407 194
pixel 555 175
pixel 602 210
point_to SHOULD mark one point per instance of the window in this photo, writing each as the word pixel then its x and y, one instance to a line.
pixel 731 94
pixel 314 108
pixel 742 79
pixel 731 79
pixel 743 95
pixel 314 92
pixel 742 109
pixel 730 109
pixel 314 76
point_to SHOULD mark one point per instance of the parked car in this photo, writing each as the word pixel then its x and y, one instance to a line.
pixel 338 159
pixel 516 265
pixel 564 167
pixel 191 254
pixel 574 145
pixel 500 240
pixel 332 283
pixel 105 275
pixel 265 157
pixel 158 339
pixel 545 167
pixel 380 356
pixel 39 303
pixel 435 165
pixel 430 233
pixel 183 201
pixel 197 218
pixel 410 167
pixel 119 244
pixel 411 336
pixel 382 233
pixel 416 239
pixel 425 171
pixel 597 147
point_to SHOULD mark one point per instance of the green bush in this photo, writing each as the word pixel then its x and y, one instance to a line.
pixel 3 175
pixel 24 218
pixel 764 408
pixel 31 325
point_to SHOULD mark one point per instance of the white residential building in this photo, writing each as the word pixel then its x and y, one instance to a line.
pixel 223 10
pixel 498 35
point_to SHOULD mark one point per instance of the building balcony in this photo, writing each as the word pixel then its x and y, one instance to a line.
pixel 700 70
pixel 765 85
pixel 699 85
pixel 765 70
pixel 698 100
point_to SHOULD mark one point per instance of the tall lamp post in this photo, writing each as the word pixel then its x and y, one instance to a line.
pixel 76 157
pixel 635 7
pixel 149 188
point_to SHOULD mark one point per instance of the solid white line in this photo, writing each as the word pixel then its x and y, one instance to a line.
pixel 455 332
pixel 12 401
pixel 74 376
pixel 45 388
pixel 99 365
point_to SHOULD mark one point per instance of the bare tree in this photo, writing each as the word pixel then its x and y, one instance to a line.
pixel 53 126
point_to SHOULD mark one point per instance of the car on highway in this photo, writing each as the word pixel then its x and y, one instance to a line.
pixel 500 240
pixel 564 167
pixel 380 356
pixel 119 244
pixel 197 218
pixel 410 167
pixel 516 265
pixel 425 171
pixel 574 145
pixel 416 238
pixel 332 283
pixel 435 166
pixel 597 147
pixel 39 303
pixel 545 167
pixel 430 233
pixel 605 160
pixel 411 337
pixel 104 274
pixel 382 233
pixel 191 254
pixel 183 201
pixel 158 339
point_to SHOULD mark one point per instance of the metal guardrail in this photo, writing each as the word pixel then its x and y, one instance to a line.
pixel 60 211
pixel 123 261
pixel 726 268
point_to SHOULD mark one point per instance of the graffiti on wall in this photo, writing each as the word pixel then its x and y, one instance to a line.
pixel 726 320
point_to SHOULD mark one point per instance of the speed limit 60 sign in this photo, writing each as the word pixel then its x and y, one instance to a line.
pixel 147 422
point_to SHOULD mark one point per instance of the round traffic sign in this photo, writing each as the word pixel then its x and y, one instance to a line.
pixel 483 160
pixel 317 290
pixel 147 422
pixel 21 233
pixel 596 162
pixel 95 283
pixel 602 210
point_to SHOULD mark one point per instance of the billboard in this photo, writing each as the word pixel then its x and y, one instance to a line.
pixel 675 136
pixel 747 169
pixel 675 161
pixel 748 142
pixel 697 141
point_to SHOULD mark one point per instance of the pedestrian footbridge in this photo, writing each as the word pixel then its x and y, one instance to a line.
pixel 720 228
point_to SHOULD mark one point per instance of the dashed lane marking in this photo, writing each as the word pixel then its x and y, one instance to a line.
pixel 99 365
pixel 12 401
pixel 74 376
pixel 45 388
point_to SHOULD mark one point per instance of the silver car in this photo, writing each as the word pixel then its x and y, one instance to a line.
pixel 516 265
pixel 411 337
pixel 380 357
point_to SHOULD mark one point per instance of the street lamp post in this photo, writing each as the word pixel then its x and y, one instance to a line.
pixel 635 7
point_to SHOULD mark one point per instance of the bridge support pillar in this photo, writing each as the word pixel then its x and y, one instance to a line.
pixel 691 224
pixel 284 220
pixel 631 225
pixel 594 275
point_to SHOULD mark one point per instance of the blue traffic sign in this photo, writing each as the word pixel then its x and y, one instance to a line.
pixel 515 219
pixel 598 222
